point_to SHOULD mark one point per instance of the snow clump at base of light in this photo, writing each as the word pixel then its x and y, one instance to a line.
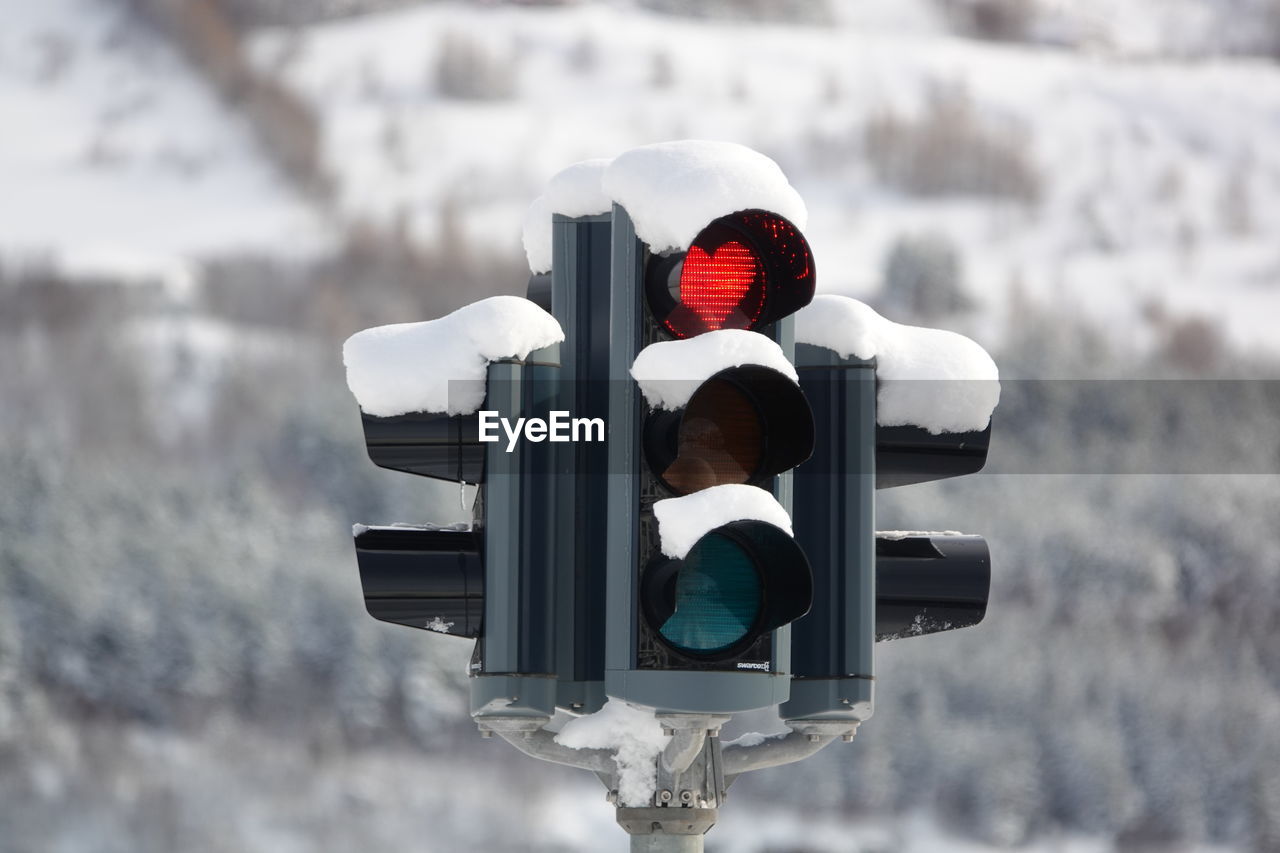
pixel 672 190
pixel 931 378
pixel 683 521
pixel 408 367
pixel 635 736
pixel 573 191
pixel 670 371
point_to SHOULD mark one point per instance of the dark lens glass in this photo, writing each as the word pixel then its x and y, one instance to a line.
pixel 721 440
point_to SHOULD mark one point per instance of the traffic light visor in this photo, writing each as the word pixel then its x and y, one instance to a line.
pixel 742 271
pixel 423 577
pixel 930 582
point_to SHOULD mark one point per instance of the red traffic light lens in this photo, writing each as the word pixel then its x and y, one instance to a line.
pixel 742 271
pixel 723 287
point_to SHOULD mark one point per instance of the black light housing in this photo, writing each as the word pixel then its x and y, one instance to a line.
pixel 429 444
pixel 911 454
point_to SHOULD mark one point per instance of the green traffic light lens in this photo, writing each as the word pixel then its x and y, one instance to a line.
pixel 717 598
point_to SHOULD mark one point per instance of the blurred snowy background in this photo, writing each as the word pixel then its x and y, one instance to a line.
pixel 200 199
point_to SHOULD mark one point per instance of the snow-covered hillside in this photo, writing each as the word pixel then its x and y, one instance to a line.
pixel 118 161
pixel 1089 181
pixel 1102 180
pixel 185 663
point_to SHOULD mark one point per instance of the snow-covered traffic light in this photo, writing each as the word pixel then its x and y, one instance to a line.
pixel 714 549
pixel 894 405
pixel 425 392
pixel 707 421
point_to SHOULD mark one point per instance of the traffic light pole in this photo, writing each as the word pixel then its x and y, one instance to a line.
pixel 695 771
pixel 666 843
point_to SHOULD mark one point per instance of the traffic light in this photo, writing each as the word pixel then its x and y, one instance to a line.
pixel 873 586
pixel 706 422
pixel 717 551
pixel 491 581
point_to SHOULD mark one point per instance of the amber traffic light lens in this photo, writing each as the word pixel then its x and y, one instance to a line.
pixel 719 441
pixel 743 425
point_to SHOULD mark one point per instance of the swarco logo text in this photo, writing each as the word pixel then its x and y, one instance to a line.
pixel 559 427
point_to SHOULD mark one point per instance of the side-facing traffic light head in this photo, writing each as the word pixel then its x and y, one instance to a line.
pixel 420 387
pixel 895 405
pixel 743 271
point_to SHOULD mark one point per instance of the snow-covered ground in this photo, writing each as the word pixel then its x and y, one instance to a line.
pixel 118 161
pixel 1145 181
